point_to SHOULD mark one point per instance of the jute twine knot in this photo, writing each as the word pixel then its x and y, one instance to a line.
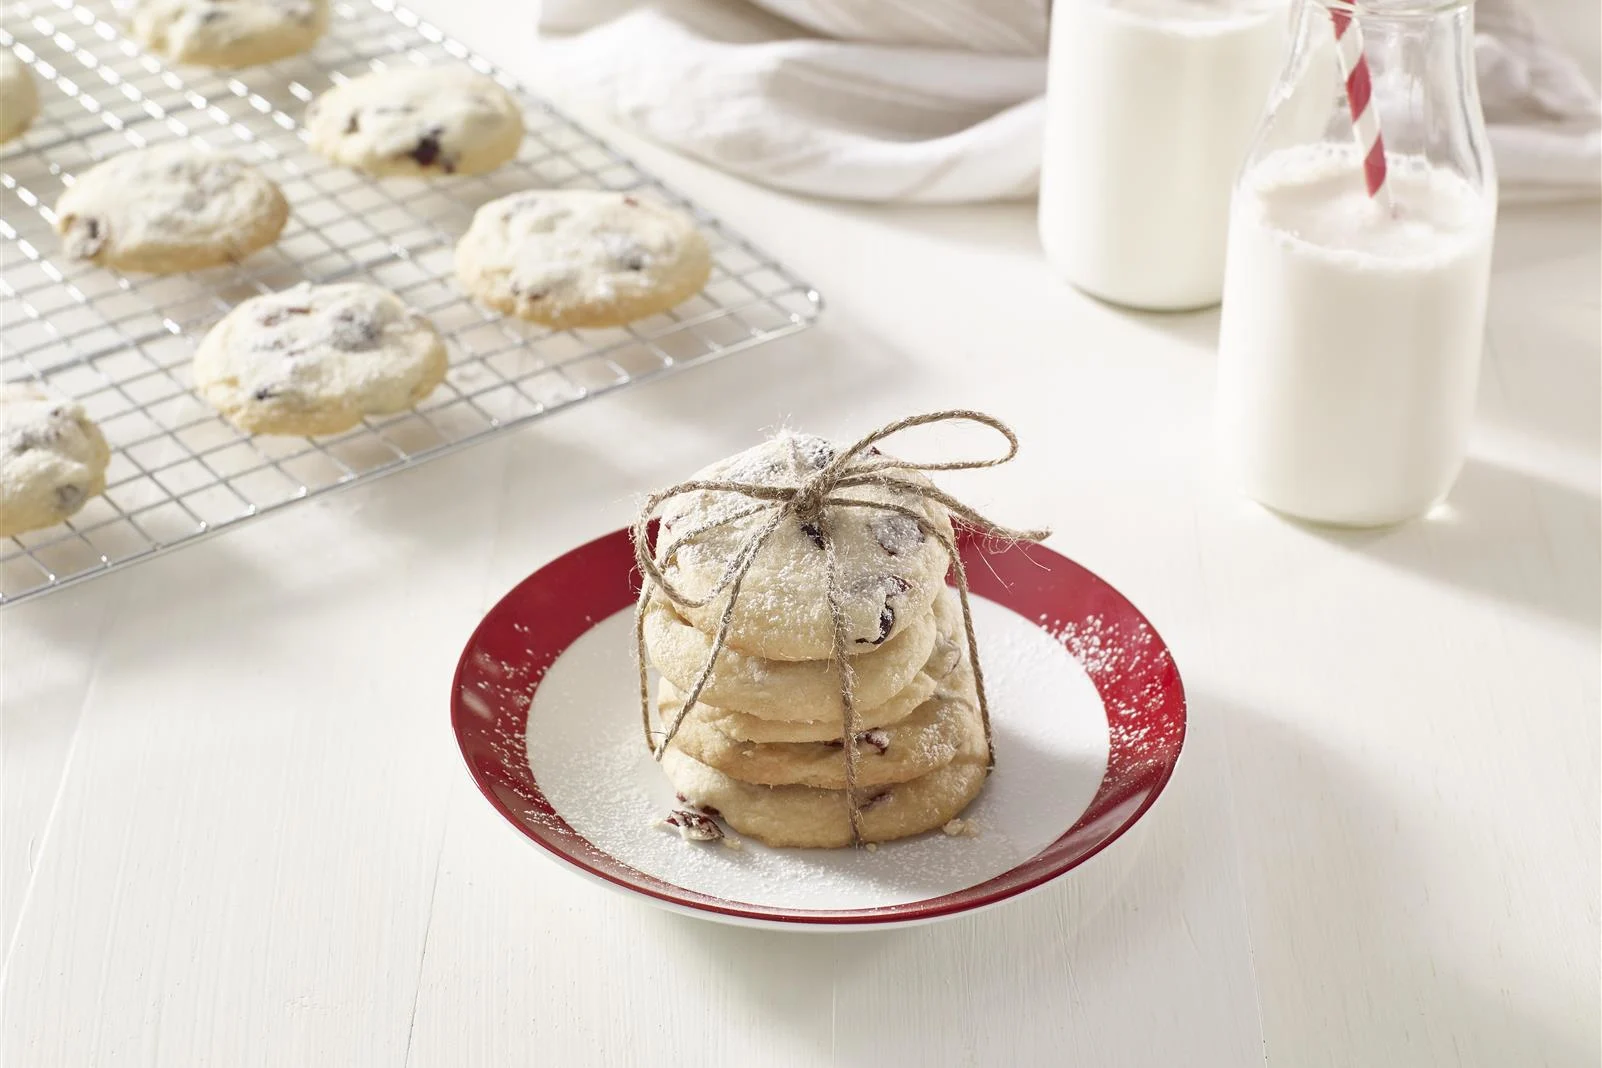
pixel 810 503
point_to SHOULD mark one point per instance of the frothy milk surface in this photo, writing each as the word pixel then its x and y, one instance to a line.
pixel 1150 109
pixel 1350 344
pixel 1316 196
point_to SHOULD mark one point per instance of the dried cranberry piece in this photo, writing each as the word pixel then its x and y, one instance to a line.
pixel 887 623
pixel 88 237
pixel 68 498
pixel 428 150
pixel 708 809
pixel 876 738
pixel 892 585
pixel 352 333
pixel 694 826
pixel 874 800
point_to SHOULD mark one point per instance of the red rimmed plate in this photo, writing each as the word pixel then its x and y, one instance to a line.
pixel 1087 709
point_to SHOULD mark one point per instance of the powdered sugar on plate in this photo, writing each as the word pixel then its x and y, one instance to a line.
pixel 588 755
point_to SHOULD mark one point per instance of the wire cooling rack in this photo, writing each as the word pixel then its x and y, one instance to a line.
pixel 121 345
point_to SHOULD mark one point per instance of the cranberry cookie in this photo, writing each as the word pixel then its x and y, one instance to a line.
pixel 578 258
pixel 916 745
pixel 783 689
pixel 317 359
pixel 226 33
pixel 813 817
pixel 19 98
pixel 745 727
pixel 52 458
pixel 417 121
pixel 170 208
pixel 887 568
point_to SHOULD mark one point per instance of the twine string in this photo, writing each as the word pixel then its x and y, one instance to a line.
pixel 809 502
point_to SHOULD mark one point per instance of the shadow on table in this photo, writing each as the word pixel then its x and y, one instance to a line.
pixel 1198 329
pixel 963 977
pixel 1500 533
pixel 1392 975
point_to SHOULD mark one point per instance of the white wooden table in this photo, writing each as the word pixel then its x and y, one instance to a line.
pixel 237 831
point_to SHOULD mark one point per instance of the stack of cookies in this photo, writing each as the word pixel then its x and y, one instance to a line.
pixel 764 748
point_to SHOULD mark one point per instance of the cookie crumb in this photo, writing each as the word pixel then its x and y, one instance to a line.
pixel 872 847
pixel 692 826
pixel 731 842
pixel 961 828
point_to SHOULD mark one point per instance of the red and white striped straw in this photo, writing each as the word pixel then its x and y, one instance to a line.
pixel 1359 94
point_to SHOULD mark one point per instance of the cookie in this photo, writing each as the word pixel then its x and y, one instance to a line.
pixel 578 258
pixel 317 359
pixel 915 746
pixel 784 689
pixel 417 121
pixel 745 727
pixel 19 98
pixel 170 208
pixel 226 33
pixel 809 817
pixel 52 458
pixel 887 569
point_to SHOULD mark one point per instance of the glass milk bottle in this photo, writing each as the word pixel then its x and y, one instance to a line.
pixel 1150 108
pixel 1359 257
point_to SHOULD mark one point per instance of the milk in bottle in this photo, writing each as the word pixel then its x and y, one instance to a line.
pixel 1150 109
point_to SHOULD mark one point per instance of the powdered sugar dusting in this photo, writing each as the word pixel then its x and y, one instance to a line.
pixel 586 751
pixel 1132 652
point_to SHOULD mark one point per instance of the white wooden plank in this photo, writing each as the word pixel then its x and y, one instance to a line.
pixel 48 657
pixel 244 851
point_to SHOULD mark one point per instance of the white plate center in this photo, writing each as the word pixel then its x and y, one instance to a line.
pixel 589 757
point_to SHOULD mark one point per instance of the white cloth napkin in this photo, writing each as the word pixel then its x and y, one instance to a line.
pixel 941 101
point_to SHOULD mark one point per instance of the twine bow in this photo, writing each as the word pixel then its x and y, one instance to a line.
pixel 809 503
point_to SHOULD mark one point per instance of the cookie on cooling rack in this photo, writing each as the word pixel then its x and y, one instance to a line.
pixel 19 99
pixel 226 33
pixel 581 258
pixel 417 121
pixel 170 208
pixel 317 359
pixel 52 458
